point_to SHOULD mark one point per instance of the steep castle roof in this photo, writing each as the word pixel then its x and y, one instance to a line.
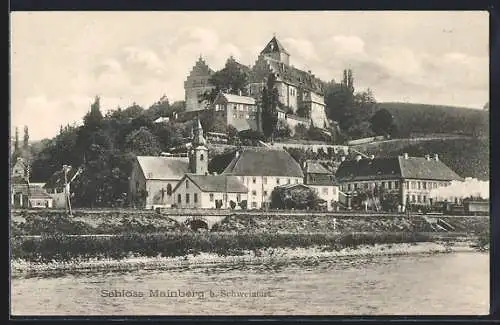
pixel 274 46
pixel 264 162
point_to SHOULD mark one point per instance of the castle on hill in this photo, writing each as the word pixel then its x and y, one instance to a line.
pixel 301 93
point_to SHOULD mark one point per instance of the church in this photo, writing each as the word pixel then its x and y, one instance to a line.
pixel 301 93
pixel 185 182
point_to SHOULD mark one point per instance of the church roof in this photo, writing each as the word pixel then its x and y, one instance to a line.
pixel 163 167
pixel 217 183
pixel 263 162
pixel 274 46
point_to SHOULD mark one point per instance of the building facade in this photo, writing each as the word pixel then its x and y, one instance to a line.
pixel 300 92
pixel 196 84
pixel 261 170
pixel 238 111
pixel 410 178
pixel 322 181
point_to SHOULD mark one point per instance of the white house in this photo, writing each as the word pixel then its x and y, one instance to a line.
pixel 153 179
pixel 261 170
pixel 323 182
pixel 209 192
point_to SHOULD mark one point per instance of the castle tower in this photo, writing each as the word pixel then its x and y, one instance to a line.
pixel 197 83
pixel 198 155
pixel 275 51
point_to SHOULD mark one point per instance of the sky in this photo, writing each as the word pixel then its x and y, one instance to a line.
pixel 61 60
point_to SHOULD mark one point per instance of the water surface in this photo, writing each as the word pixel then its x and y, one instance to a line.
pixel 456 283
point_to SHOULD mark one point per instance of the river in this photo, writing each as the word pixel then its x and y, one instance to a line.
pixel 445 284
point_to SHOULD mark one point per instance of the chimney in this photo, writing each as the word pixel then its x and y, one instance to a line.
pixel 358 157
pixel 405 155
pixel 436 157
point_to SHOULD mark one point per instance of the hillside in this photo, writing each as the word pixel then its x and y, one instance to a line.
pixel 469 157
pixel 433 119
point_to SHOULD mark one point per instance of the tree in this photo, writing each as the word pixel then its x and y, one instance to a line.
pixel 26 138
pixel 93 119
pixel 382 123
pixel 143 143
pixel 231 79
pixel 282 130
pixel 295 198
pixel 270 99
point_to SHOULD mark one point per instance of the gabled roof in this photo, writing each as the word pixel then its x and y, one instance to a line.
pixel 313 167
pixel 423 168
pixel 264 162
pixel 297 77
pixel 394 167
pixel 237 99
pixel 163 167
pixel 33 191
pixel 216 183
pixel 274 46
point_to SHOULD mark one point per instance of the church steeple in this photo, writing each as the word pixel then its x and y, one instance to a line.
pixel 198 155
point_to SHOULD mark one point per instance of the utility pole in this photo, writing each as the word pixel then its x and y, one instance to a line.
pixel 67 193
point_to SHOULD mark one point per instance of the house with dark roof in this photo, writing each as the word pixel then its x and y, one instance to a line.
pixel 320 179
pixel 411 178
pixel 261 170
pixel 209 192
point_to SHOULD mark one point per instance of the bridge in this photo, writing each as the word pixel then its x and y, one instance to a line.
pixel 196 222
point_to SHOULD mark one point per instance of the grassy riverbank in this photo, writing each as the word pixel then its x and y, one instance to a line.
pixel 45 249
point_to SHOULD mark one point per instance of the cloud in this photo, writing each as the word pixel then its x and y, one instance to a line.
pixel 302 48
